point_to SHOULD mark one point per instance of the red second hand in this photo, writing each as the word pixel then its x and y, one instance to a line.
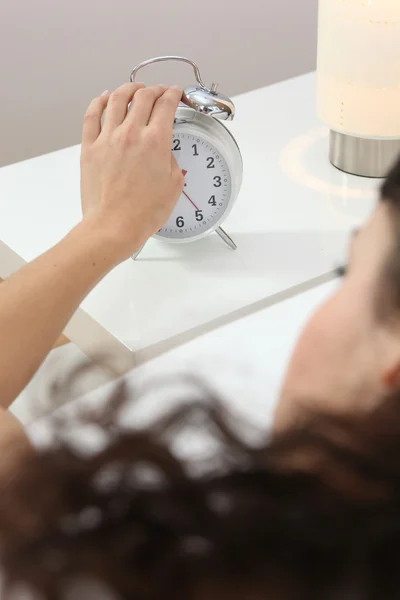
pixel 190 200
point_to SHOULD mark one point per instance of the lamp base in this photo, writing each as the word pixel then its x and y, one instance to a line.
pixel 363 156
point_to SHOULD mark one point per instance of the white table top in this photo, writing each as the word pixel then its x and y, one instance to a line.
pixel 290 223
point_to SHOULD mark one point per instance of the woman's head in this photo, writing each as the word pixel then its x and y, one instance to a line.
pixel 349 354
pixel 313 514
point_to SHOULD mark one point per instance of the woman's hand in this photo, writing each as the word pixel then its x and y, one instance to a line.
pixel 130 182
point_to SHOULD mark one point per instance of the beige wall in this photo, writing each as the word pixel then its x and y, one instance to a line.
pixel 55 55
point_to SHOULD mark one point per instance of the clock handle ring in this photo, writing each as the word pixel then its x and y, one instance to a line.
pixel 165 59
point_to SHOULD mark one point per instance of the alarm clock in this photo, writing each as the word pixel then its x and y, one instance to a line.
pixel 210 160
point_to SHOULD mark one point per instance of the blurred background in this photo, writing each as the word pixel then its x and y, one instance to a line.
pixel 56 55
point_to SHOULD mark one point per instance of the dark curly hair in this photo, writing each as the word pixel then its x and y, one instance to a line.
pixel 311 514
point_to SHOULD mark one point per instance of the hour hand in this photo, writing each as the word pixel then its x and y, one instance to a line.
pixel 184 173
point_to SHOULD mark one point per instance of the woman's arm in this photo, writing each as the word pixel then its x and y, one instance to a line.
pixel 130 184
pixel 62 340
pixel 37 302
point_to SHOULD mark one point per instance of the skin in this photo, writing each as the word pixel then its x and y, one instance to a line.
pixel 347 358
pixel 129 185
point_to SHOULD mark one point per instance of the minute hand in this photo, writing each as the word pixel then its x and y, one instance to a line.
pixel 190 200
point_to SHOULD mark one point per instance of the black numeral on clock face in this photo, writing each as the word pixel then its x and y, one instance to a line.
pixel 177 145
pixel 180 222
pixel 212 201
pixel 199 215
pixel 210 163
pixel 195 153
pixel 217 181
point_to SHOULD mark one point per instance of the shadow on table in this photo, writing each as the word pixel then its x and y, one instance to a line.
pixel 274 253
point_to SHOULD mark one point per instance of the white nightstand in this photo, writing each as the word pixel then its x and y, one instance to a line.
pixel 290 224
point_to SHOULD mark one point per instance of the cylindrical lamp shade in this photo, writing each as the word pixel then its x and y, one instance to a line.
pixel 359 82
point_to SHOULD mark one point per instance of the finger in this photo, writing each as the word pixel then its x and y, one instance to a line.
pixel 92 121
pixel 143 104
pixel 164 111
pixel 118 105
pixel 175 169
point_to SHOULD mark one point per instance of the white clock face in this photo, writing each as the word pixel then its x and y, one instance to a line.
pixel 207 190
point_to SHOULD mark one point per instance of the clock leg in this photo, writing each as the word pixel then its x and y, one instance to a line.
pixel 227 239
pixel 134 256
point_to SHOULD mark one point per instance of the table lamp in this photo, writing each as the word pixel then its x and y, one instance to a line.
pixel 358 83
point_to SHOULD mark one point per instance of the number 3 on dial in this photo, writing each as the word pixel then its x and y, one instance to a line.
pixel 217 181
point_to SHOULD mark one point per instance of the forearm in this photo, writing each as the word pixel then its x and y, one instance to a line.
pixel 62 340
pixel 128 178
pixel 37 302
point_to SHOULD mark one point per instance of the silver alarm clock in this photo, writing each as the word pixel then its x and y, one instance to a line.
pixel 209 157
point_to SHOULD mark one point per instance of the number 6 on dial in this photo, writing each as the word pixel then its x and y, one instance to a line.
pixel 210 160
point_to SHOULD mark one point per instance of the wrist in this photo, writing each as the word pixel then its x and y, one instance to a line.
pixel 105 239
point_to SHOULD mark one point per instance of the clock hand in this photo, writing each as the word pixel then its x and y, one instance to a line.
pixel 190 200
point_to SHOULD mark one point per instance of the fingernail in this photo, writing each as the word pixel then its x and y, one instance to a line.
pixel 177 87
pixel 105 93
